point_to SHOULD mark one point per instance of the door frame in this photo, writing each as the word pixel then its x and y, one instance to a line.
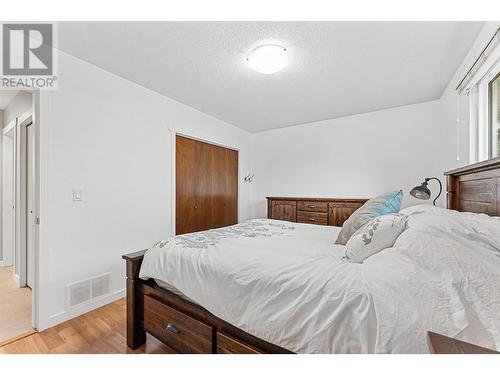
pixel 28 118
pixel 30 227
pixel 21 197
pixel 173 136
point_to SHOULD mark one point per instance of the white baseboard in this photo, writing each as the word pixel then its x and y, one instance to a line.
pixel 4 263
pixel 81 309
pixel 17 280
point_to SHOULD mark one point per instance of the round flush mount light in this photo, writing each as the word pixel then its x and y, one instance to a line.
pixel 268 59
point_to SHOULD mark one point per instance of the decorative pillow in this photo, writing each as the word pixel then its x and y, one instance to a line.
pixel 388 203
pixel 375 236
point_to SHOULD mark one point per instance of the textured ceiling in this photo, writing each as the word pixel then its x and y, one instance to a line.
pixel 336 68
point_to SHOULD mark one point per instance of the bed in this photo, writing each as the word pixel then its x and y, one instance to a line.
pixel 267 286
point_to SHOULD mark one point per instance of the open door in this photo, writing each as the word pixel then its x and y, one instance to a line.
pixel 24 213
pixel 30 209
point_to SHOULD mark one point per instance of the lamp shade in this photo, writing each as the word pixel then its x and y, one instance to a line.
pixel 421 191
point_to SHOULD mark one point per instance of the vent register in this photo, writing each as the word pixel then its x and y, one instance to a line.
pixel 87 290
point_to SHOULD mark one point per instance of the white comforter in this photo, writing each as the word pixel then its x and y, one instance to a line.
pixel 286 282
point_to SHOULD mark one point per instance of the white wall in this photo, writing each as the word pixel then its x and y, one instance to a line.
pixel 7 200
pixel 110 138
pixel 20 105
pixel 367 154
pixel 453 156
pixel 355 156
pixel 1 187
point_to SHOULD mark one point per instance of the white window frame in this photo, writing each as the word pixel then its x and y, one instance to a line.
pixel 492 141
pixel 478 89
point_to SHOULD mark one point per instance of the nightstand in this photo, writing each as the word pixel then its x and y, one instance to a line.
pixel 440 344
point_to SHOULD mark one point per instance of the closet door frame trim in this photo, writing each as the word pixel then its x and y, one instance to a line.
pixel 173 134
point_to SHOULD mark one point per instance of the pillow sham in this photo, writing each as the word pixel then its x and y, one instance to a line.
pixel 383 204
pixel 377 235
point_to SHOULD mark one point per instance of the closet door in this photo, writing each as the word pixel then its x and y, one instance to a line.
pixel 206 186
pixel 185 160
pixel 202 187
pixel 193 185
pixel 224 191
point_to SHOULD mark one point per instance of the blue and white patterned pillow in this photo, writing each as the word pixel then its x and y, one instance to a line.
pixel 384 204
pixel 375 236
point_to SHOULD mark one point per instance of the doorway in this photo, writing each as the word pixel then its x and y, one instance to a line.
pixel 8 201
pixel 18 244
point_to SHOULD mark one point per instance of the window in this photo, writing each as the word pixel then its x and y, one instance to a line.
pixel 494 116
pixel 482 85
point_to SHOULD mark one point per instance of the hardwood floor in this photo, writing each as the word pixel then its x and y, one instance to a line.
pixel 15 307
pixel 101 331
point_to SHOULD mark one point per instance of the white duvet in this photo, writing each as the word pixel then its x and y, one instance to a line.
pixel 287 284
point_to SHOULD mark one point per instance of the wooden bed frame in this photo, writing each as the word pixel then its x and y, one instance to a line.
pixel 182 325
pixel 475 188
pixel 189 328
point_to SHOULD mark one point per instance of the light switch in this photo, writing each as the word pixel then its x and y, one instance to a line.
pixel 77 195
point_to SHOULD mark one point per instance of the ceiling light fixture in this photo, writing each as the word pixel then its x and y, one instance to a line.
pixel 268 59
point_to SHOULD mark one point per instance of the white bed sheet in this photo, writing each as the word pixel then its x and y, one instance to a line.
pixel 287 284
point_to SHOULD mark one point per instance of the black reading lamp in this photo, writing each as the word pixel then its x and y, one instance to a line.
pixel 423 192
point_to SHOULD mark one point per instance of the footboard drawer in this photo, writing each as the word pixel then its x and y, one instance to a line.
pixel 229 345
pixel 176 329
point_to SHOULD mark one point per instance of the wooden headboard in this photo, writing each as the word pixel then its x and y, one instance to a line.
pixel 475 188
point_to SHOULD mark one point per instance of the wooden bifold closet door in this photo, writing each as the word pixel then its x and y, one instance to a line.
pixel 206 186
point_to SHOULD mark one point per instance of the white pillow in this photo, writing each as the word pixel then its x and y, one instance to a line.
pixel 375 236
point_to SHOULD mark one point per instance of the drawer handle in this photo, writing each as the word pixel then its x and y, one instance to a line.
pixel 311 219
pixel 172 328
pixel 311 206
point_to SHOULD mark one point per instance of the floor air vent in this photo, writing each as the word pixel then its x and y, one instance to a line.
pixel 79 293
pixel 86 290
pixel 100 285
